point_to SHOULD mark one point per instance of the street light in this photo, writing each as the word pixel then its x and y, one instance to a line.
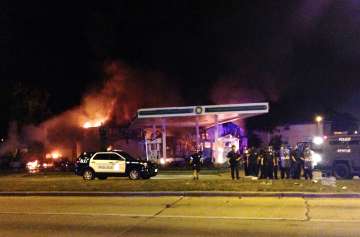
pixel 318 119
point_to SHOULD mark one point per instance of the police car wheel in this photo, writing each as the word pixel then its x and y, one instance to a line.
pixel 134 174
pixel 88 175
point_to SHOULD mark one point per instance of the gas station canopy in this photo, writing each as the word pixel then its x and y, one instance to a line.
pixel 195 116
pixel 204 115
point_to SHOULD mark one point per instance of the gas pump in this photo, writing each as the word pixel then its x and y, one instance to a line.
pixel 152 148
pixel 223 146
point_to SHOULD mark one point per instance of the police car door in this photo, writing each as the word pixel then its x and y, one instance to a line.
pixel 114 164
pixel 101 162
pixel 119 163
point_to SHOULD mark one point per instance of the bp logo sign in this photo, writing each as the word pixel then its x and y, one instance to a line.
pixel 198 110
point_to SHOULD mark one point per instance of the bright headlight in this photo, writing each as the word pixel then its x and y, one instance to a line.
pixel 318 140
pixel 316 157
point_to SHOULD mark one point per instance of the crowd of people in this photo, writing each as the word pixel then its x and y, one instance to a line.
pixel 284 163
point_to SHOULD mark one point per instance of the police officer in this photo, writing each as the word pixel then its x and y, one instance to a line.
pixel 296 158
pixel 246 158
pixel 252 162
pixel 258 163
pixel 284 160
pixel 268 162
pixel 196 162
pixel 276 164
pixel 262 165
pixel 234 159
pixel 308 163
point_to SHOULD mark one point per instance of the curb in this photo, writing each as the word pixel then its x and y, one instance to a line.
pixel 182 193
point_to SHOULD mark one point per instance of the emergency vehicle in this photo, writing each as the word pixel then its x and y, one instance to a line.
pixel 340 155
pixel 113 164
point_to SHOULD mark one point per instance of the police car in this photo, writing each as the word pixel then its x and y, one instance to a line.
pixel 113 164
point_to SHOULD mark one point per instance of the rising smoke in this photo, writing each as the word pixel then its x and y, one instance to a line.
pixel 124 90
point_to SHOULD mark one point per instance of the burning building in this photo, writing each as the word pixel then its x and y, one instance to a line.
pixel 105 118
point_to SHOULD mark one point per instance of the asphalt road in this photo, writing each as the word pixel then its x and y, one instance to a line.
pixel 178 216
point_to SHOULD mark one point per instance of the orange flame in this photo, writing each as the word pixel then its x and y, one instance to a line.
pixel 93 124
pixel 54 155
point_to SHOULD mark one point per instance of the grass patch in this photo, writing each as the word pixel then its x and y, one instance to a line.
pixel 212 181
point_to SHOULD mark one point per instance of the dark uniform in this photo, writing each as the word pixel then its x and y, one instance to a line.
pixel 296 163
pixel 262 165
pixel 284 161
pixel 245 158
pixel 252 168
pixel 196 161
pixel 268 162
pixel 258 163
pixel 308 163
pixel 276 165
pixel 234 159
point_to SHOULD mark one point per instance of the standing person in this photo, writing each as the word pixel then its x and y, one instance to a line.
pixel 308 163
pixel 262 164
pixel 296 157
pixel 269 161
pixel 234 159
pixel 276 164
pixel 196 162
pixel 284 157
pixel 245 159
pixel 252 162
pixel 258 162
pixel 292 162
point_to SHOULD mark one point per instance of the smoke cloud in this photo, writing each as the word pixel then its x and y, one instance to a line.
pixel 123 92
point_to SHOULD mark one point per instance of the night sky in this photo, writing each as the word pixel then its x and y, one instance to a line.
pixel 302 56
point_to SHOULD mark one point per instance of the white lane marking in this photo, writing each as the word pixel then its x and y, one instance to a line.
pixel 182 216
pixel 149 215
pixel 75 214
pixel 337 220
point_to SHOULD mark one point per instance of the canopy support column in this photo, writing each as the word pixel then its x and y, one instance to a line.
pixel 153 137
pixel 163 139
pixel 216 136
pixel 197 133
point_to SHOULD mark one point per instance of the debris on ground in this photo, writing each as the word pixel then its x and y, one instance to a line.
pixel 329 181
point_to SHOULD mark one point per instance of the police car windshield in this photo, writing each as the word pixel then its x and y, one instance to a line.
pixel 127 156
pixel 86 155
